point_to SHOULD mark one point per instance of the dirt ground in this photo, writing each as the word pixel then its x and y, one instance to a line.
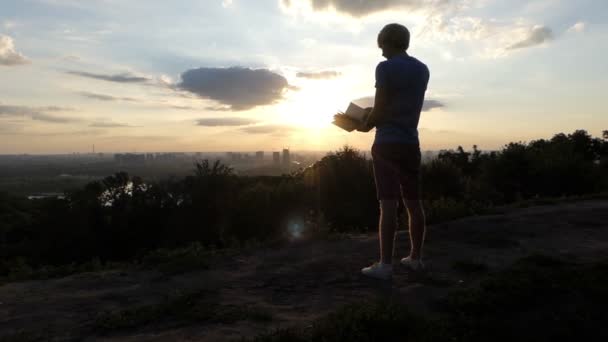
pixel 306 279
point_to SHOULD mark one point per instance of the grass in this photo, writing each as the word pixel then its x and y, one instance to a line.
pixel 177 261
pixel 20 270
pixel 539 298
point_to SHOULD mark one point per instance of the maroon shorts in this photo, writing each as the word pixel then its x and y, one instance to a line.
pixel 397 170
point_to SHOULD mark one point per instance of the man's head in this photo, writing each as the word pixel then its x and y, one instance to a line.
pixel 393 39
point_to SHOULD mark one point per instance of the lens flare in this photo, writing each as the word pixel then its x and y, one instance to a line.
pixel 295 230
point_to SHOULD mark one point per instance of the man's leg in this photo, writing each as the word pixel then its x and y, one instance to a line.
pixel 386 231
pixel 417 227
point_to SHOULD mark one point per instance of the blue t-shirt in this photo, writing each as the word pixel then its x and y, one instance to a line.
pixel 405 79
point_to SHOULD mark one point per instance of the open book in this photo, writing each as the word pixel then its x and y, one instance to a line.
pixel 355 115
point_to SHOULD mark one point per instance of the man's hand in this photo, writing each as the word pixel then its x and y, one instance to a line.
pixel 366 125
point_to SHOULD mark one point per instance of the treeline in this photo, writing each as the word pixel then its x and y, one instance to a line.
pixel 122 216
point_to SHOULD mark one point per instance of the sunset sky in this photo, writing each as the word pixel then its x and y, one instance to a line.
pixel 243 75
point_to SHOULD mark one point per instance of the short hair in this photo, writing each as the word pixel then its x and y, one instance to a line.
pixel 395 35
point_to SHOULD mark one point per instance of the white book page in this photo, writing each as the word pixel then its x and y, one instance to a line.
pixel 356 109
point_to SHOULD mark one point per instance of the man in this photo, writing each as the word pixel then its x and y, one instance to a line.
pixel 401 82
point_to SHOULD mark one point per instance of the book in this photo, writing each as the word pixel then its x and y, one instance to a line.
pixel 354 116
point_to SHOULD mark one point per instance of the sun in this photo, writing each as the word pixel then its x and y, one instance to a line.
pixel 314 106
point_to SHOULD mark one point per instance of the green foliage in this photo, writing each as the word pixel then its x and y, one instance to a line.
pixel 344 190
pixel 122 217
pixel 539 298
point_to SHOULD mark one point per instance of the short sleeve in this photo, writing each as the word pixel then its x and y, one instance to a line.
pixel 381 75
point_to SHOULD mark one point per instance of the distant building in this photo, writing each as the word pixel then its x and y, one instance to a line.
pixel 286 158
pixel 259 156
pixel 276 158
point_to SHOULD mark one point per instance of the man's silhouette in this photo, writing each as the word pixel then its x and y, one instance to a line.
pixel 401 82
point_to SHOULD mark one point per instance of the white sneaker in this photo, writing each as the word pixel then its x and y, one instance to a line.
pixel 378 270
pixel 415 265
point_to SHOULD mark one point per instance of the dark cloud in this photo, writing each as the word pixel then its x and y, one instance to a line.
pixel 36 113
pixel 536 36
pixel 269 129
pixel 359 8
pixel 319 75
pixel 430 104
pixel 104 97
pixel 120 78
pixel 8 55
pixel 236 87
pixel 225 122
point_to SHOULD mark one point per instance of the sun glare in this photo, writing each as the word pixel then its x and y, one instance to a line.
pixel 314 106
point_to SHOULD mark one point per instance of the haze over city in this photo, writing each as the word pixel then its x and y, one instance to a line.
pixel 237 75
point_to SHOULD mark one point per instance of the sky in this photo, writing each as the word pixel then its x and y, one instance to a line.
pixel 243 75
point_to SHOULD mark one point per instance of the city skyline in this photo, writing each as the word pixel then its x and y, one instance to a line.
pixel 237 76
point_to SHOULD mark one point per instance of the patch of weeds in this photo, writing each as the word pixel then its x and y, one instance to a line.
pixel 364 321
pixel 469 267
pixel 20 270
pixel 539 298
pixel 178 261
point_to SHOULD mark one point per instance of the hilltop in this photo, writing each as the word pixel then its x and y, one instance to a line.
pixel 260 290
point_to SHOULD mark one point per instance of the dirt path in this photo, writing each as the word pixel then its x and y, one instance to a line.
pixel 304 280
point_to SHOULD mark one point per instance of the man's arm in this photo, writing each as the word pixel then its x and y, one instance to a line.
pixel 378 112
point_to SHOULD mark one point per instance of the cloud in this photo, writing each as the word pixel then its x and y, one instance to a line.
pixel 231 121
pixel 269 129
pixel 104 97
pixel 318 75
pixel 236 87
pixel 120 78
pixel 358 8
pixel 9 24
pixel 535 36
pixel 109 125
pixel 36 113
pixel 578 27
pixel 8 55
pixel 181 107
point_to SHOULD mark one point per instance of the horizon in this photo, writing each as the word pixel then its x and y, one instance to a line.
pixel 231 75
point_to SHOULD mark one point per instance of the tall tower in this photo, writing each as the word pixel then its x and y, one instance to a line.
pixel 286 158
